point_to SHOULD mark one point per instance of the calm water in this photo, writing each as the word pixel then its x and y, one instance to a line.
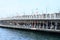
pixel 14 34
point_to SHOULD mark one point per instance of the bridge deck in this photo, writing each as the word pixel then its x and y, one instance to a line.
pixel 22 27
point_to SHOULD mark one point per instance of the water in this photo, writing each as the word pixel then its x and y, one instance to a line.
pixel 15 34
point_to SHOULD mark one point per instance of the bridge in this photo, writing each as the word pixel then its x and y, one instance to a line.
pixel 45 22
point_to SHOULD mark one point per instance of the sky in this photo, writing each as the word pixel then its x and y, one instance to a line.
pixel 10 8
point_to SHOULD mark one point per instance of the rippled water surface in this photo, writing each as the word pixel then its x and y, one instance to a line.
pixel 15 34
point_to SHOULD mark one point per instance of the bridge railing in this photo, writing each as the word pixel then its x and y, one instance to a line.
pixel 40 16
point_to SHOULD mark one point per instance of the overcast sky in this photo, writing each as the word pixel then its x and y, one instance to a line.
pixel 18 7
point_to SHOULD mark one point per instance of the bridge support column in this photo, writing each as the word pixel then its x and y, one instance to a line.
pixel 32 25
pixel 40 25
pixel 43 25
pixel 55 25
pixel 51 25
pixel 47 25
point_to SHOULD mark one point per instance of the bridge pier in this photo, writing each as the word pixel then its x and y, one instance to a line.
pixel 55 25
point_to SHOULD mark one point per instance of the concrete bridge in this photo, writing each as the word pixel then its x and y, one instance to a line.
pixel 46 22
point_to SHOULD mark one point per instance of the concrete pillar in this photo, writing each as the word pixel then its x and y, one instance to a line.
pixel 37 24
pixel 43 24
pixel 34 25
pixel 55 25
pixel 47 25
pixel 51 25
pixel 17 23
pixel 40 25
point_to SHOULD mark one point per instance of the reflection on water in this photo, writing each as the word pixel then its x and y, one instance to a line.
pixel 14 34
